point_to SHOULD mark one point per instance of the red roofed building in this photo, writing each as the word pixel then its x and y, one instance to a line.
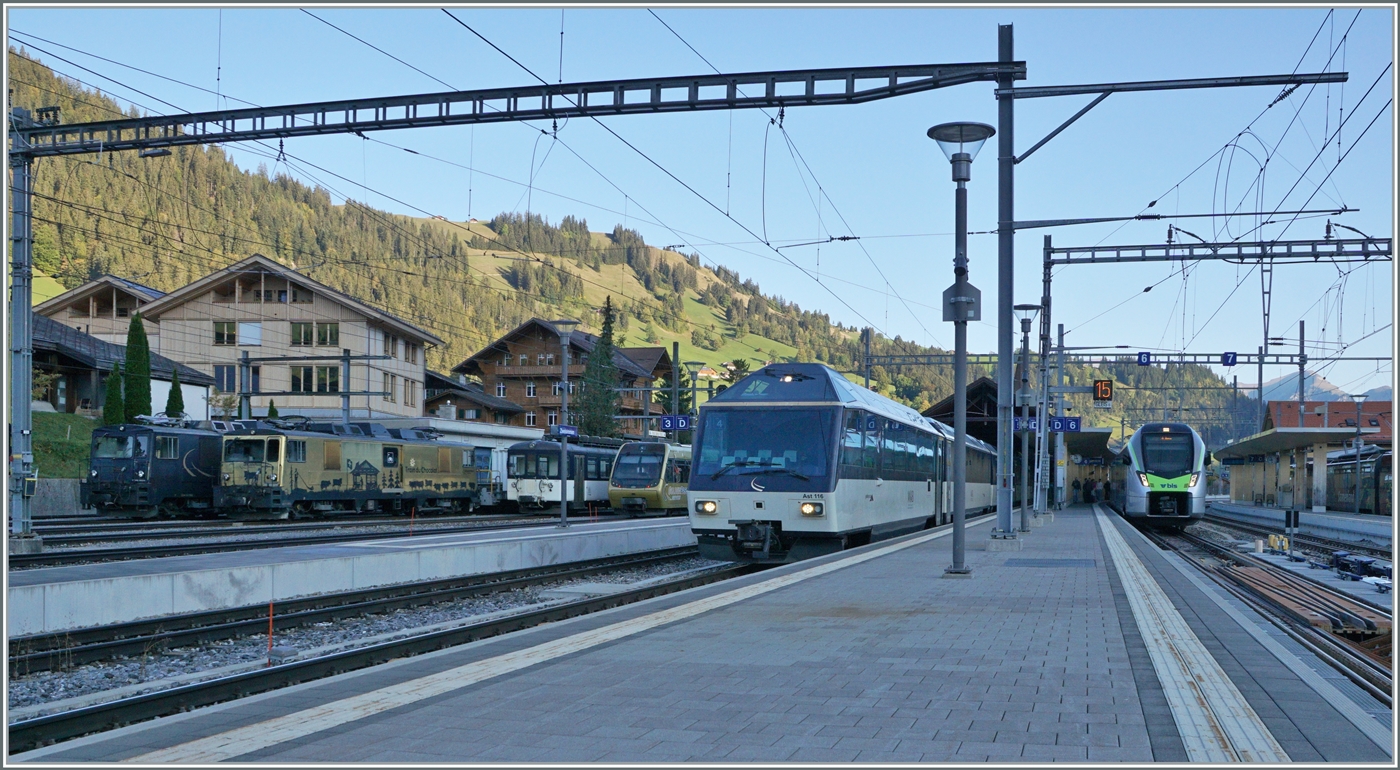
pixel 1333 414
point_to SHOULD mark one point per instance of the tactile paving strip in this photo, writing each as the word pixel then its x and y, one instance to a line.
pixel 1216 723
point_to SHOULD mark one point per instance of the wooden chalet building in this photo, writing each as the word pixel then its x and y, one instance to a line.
pixel 524 367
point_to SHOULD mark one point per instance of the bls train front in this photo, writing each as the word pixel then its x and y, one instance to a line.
pixel 773 480
pixel 1160 478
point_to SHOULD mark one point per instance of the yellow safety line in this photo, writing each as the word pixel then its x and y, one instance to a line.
pixel 242 740
pixel 1215 721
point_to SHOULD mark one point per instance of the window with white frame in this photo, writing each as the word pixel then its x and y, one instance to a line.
pixel 530 389
pixel 530 419
pixel 552 418
pixel 500 390
pixel 391 384
pixel 249 333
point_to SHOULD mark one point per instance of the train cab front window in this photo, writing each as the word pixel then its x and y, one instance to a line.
pixel 639 466
pixel 792 448
pixel 1168 456
pixel 534 465
pixel 121 447
pixel 245 450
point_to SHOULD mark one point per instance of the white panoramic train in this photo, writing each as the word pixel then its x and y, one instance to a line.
pixel 795 461
pixel 532 474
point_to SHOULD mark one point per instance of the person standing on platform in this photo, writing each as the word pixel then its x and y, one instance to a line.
pixel 1075 498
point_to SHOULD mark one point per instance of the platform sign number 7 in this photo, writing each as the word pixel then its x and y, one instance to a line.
pixel 1144 358
pixel 1228 359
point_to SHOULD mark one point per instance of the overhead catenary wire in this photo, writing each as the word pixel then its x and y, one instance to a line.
pixel 667 172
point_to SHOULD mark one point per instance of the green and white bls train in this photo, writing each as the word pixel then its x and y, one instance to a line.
pixel 795 461
pixel 1160 477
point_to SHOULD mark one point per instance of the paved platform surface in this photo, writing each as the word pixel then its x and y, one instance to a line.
pixel 1338 525
pixel 1043 654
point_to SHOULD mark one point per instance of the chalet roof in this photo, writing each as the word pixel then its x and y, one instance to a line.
pixel 582 341
pixel 90 351
pixel 981 401
pixel 1284 414
pixel 258 263
pixel 654 359
pixel 474 393
pixel 142 293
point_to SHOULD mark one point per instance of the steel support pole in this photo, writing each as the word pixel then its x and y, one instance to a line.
pixel 1302 374
pixel 245 387
pixel 866 334
pixel 1025 418
pixel 1259 392
pixel 1042 409
pixel 960 390
pixel 1060 457
pixel 345 387
pixel 1006 239
pixel 1356 496
pixel 21 344
pixel 676 378
pixel 564 440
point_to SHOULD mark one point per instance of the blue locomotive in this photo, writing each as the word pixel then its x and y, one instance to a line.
pixel 141 471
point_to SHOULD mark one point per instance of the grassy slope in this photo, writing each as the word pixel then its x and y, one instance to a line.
pixel 61 444
pixel 621 282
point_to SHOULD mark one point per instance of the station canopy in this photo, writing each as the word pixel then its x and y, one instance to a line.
pixel 1275 440
pixel 1090 442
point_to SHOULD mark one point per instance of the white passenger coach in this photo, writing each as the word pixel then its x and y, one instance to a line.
pixel 795 461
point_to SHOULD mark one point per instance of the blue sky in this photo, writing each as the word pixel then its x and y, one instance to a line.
pixel 887 181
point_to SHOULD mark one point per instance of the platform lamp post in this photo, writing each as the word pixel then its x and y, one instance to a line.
pixel 1357 398
pixel 1027 314
pixel 962 302
pixel 566 330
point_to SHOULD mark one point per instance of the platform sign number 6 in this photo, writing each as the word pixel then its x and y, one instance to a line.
pixel 1144 358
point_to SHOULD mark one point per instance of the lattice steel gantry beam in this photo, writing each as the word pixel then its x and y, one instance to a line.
pixel 1335 249
pixel 786 88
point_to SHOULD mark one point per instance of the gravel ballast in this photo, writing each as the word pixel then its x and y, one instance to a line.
pixel 157 669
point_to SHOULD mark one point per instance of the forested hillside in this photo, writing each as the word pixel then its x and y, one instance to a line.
pixel 166 221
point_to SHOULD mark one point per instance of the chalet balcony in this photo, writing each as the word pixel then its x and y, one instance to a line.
pixel 551 371
pixel 628 404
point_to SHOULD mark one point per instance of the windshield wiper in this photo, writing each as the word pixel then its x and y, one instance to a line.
pixel 738 464
pixel 788 471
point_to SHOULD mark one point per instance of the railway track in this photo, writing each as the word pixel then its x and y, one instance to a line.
pixel 41 731
pixel 1349 634
pixel 85 555
pixel 1323 543
pixel 70 536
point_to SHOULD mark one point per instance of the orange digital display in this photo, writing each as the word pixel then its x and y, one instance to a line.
pixel 1103 390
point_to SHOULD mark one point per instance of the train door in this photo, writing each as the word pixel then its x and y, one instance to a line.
pixel 578 467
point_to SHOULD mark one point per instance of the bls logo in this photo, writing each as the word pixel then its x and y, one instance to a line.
pixel 1168 486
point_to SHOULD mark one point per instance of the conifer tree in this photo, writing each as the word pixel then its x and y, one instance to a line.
pixel 138 369
pixel 175 402
pixel 113 405
pixel 271 409
pixel 599 400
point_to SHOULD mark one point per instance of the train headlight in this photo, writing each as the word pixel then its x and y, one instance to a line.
pixel 272 478
pixel 1143 478
pixel 93 473
pixel 707 506
pixel 811 509
pixel 1195 477
pixel 140 474
pixel 226 477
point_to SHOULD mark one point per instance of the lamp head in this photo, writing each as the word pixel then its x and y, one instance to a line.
pixel 961 138
pixel 960 143
pixel 1026 313
pixel 1357 398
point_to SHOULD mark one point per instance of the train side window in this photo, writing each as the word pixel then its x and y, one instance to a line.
pixel 274 450
pixel 332 449
pixel 852 445
pixel 592 469
pixel 296 451
pixel 167 447
pixel 871 458
pixel 605 467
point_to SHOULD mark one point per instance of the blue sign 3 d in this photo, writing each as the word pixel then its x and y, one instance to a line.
pixel 676 422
